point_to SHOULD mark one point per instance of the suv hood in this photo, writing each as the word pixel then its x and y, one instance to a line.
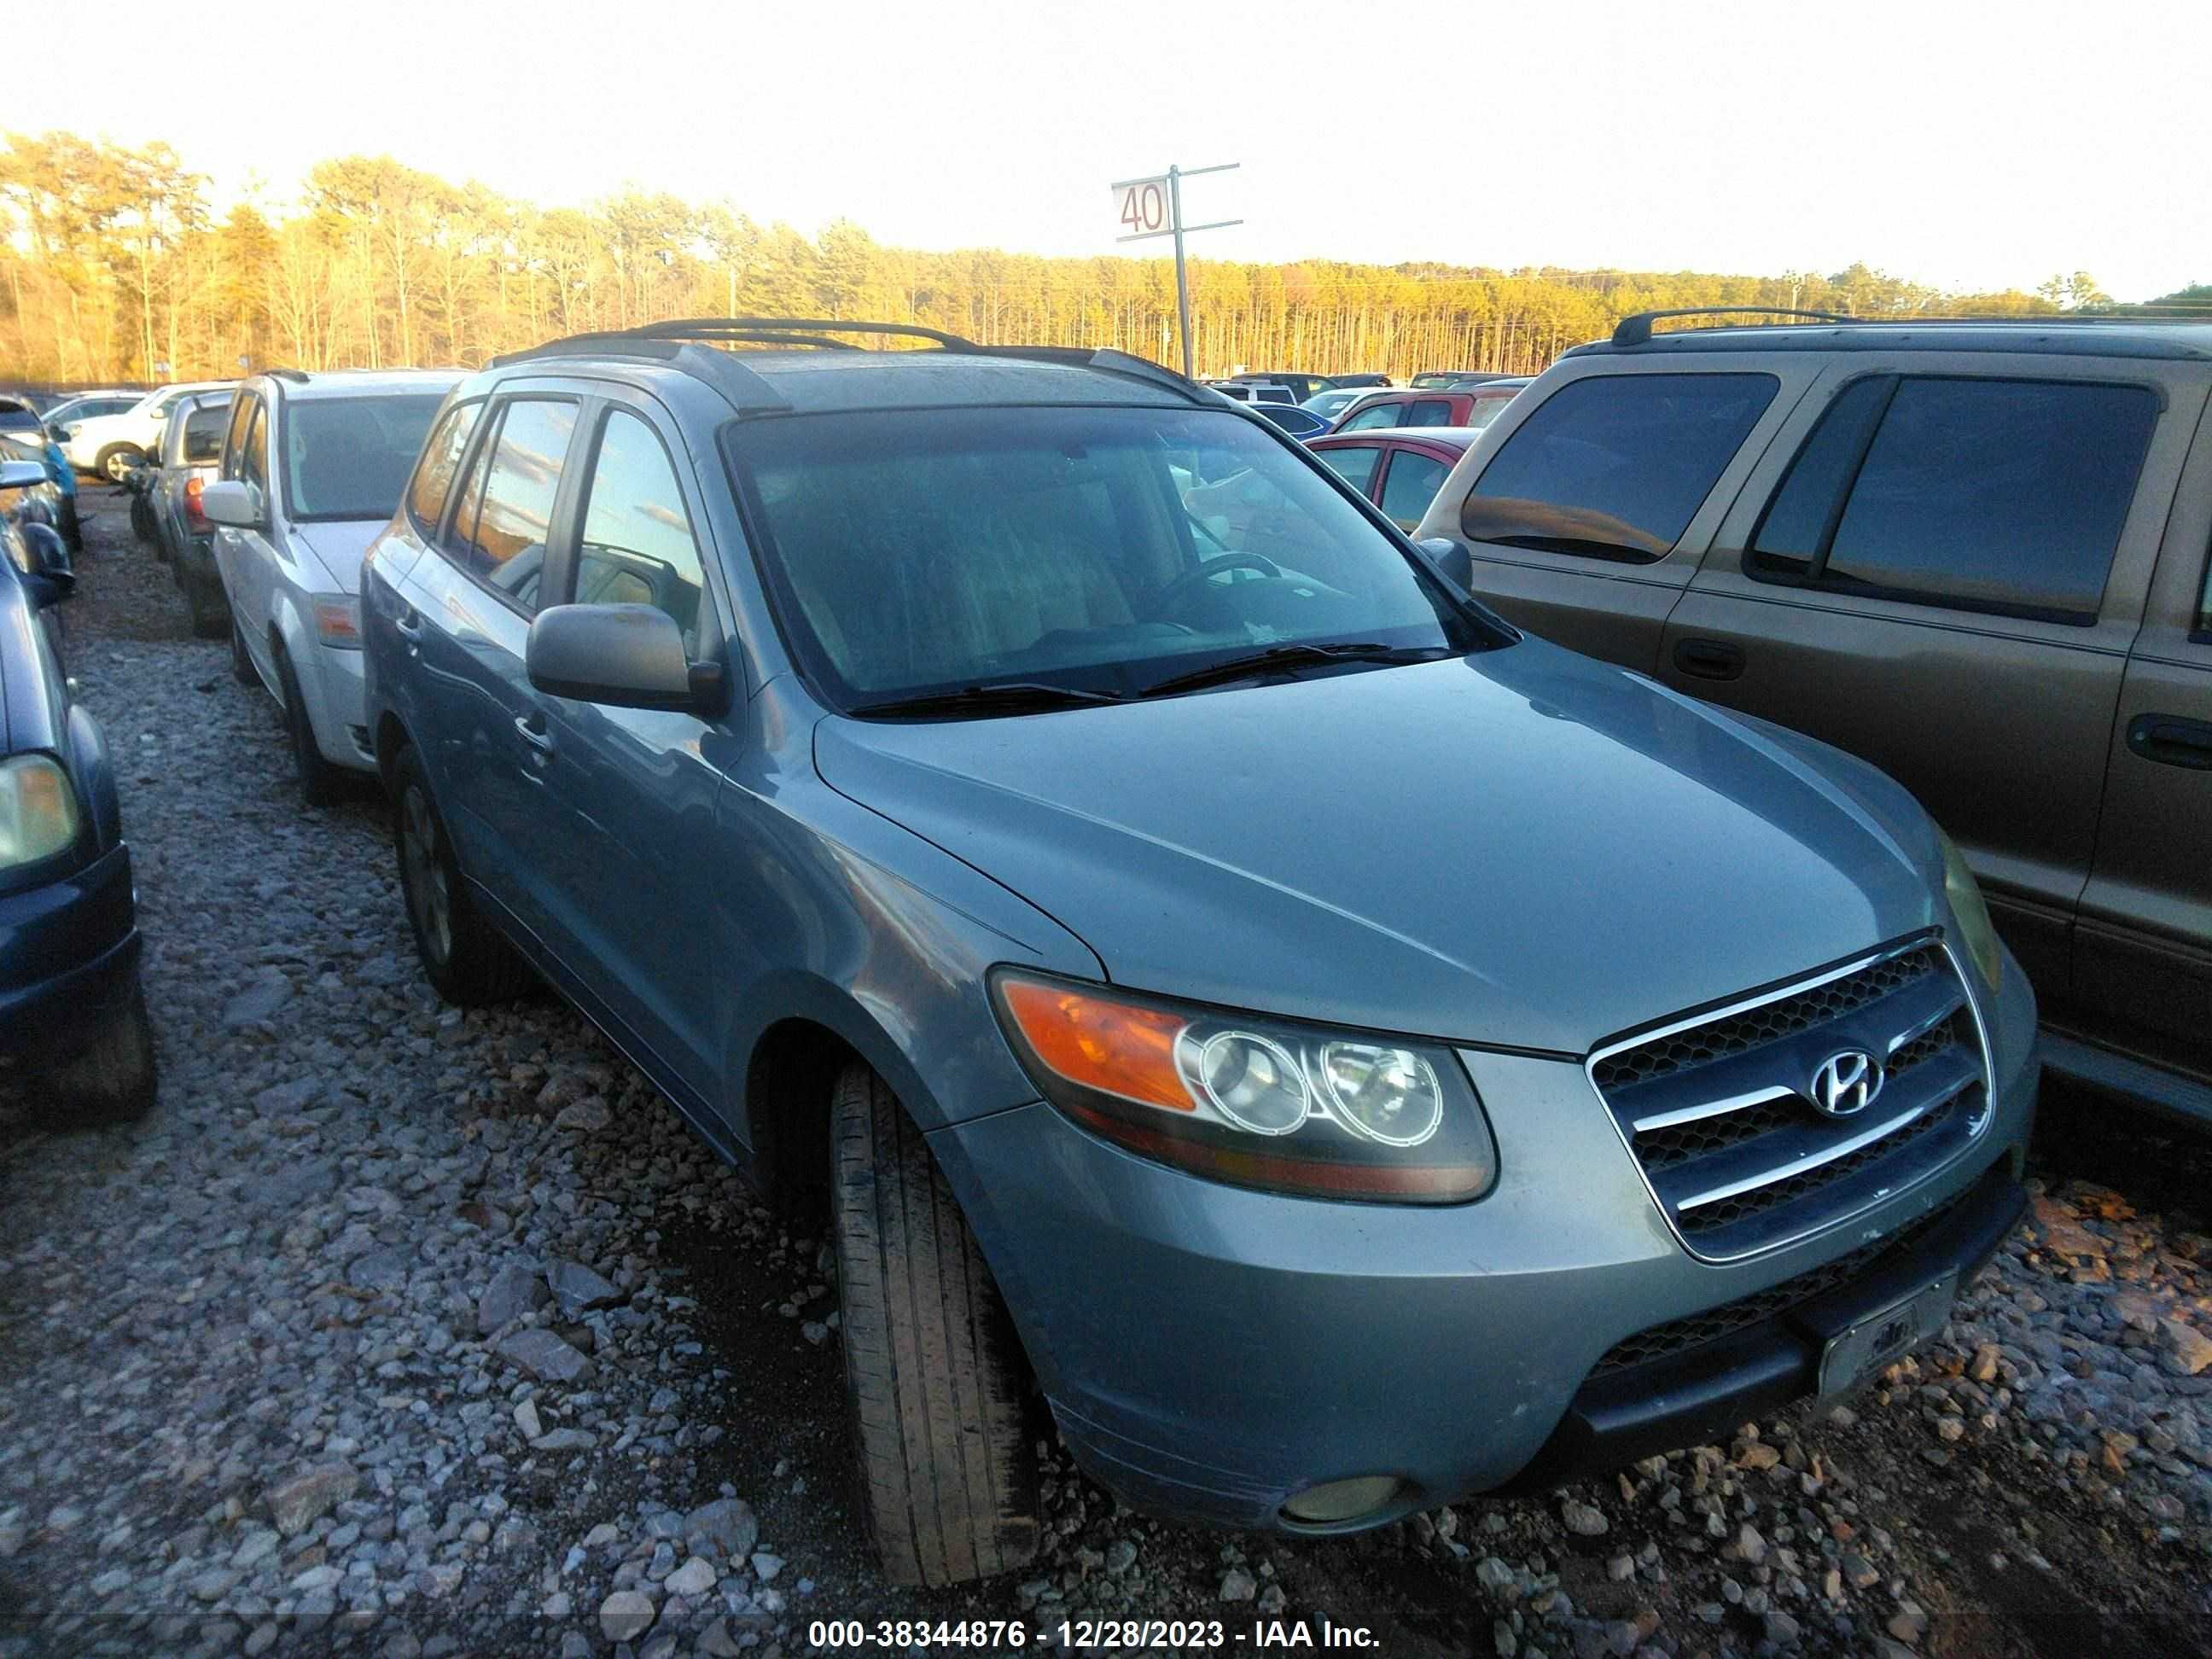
pixel 337 545
pixel 1523 849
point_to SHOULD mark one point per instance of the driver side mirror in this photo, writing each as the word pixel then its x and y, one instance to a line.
pixel 234 502
pixel 626 656
pixel 52 577
pixel 1453 558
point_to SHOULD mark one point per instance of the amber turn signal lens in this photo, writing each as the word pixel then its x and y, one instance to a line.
pixel 1112 1047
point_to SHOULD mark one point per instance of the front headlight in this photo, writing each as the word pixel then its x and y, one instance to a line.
pixel 38 810
pixel 1251 1099
pixel 1976 931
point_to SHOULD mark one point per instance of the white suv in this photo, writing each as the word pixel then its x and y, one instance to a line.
pixel 109 446
pixel 312 467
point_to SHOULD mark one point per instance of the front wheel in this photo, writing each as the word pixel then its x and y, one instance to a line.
pixel 114 1080
pixel 320 781
pixel 467 960
pixel 114 463
pixel 203 598
pixel 933 1373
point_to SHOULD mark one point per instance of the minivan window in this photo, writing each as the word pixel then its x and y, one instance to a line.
pixel 347 458
pixel 1614 466
pixel 1981 493
pixel 1100 549
pixel 433 473
pixel 638 546
pixel 505 547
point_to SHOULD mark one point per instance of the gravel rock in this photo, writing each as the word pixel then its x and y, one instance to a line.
pixel 626 1615
pixel 695 1578
pixel 728 1525
pixel 513 1292
pixel 1238 1585
pixel 296 1502
pixel 543 1355
pixel 1585 1520
pixel 577 1288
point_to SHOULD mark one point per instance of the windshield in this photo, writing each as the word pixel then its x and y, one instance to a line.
pixel 1098 548
pixel 349 457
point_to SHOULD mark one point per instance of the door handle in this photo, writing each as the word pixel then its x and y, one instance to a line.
pixel 2171 740
pixel 1709 660
pixel 409 621
pixel 535 733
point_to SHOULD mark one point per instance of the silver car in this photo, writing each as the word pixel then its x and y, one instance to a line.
pixel 311 468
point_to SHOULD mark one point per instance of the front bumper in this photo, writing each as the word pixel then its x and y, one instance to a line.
pixel 1210 1352
pixel 332 684
pixel 69 955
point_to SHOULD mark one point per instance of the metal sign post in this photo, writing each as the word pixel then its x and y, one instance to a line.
pixel 1153 207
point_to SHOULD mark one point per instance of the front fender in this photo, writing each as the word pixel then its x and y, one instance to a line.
pixel 96 775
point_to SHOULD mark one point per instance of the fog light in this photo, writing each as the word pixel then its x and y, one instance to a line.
pixel 1343 1500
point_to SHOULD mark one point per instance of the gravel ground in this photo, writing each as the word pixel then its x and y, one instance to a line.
pixel 403 1332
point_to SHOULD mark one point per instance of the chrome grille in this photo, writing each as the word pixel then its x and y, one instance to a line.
pixel 1695 1330
pixel 1717 1107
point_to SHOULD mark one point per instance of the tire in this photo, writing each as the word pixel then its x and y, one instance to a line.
pixel 466 959
pixel 209 607
pixel 933 1373
pixel 320 782
pixel 115 1079
pixel 143 526
pixel 241 660
pixel 113 462
pixel 72 528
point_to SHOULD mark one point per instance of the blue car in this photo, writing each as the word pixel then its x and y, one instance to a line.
pixel 1223 988
pixel 73 1021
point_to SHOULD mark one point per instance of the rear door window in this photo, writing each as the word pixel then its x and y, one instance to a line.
pixel 1990 495
pixel 1353 463
pixel 1428 412
pixel 203 430
pixel 504 545
pixel 1411 484
pixel 1615 466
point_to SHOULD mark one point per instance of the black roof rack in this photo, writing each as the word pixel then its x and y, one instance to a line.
pixel 667 340
pixel 1635 330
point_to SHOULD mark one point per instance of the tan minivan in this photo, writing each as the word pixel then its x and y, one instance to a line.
pixel 1974 553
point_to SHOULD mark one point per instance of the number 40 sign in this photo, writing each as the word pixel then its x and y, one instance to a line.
pixel 1141 204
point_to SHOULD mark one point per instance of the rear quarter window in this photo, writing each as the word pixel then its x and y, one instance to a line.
pixel 434 469
pixel 1978 493
pixel 1615 466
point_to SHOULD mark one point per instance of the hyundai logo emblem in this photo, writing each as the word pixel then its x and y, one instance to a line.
pixel 1845 1082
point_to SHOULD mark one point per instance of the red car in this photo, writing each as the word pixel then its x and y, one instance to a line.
pixel 1474 407
pixel 1400 471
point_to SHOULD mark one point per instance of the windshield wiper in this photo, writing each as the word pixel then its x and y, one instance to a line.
pixel 1281 657
pixel 1004 697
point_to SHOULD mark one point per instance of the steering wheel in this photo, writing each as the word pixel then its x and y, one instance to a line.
pixel 1172 594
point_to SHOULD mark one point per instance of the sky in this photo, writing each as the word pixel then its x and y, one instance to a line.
pixel 1971 154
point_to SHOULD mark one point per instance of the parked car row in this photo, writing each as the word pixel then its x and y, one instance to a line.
pixel 71 1010
pixel 957 778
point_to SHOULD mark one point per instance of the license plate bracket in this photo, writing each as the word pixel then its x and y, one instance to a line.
pixel 1877 1338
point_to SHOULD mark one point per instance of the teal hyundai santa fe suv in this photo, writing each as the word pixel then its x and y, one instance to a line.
pixel 1333 1052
